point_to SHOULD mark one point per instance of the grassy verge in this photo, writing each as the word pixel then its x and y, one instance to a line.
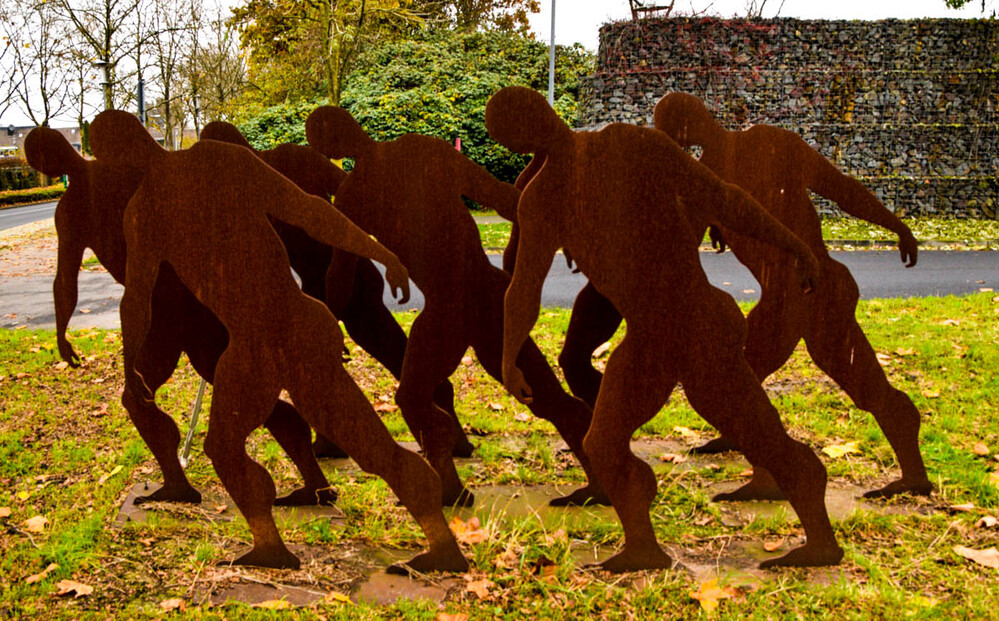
pixel 971 233
pixel 69 454
pixel 15 198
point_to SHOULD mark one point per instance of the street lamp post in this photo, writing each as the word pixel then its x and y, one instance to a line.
pixel 551 61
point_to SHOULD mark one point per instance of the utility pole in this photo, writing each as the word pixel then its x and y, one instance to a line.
pixel 551 61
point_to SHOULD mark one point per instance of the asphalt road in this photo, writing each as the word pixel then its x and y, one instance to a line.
pixel 27 301
pixel 16 216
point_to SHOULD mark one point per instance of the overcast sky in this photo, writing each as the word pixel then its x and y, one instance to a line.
pixel 578 21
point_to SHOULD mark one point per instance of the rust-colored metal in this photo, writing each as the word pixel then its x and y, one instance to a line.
pixel 617 199
pixel 782 171
pixel 407 193
pixel 351 286
pixel 89 215
pixel 204 215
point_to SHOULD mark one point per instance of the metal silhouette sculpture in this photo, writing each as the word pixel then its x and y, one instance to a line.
pixel 408 194
pixel 351 286
pixel 90 215
pixel 616 200
pixel 778 169
pixel 218 241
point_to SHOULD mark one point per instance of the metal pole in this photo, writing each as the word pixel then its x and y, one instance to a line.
pixel 185 451
pixel 551 61
pixel 142 100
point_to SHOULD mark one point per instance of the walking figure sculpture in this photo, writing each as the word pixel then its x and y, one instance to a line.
pixel 408 194
pixel 205 213
pixel 616 201
pixel 778 169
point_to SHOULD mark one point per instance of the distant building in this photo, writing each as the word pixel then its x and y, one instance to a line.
pixel 12 138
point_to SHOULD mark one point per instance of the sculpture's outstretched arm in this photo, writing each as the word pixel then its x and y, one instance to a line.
pixel 64 289
pixel 855 199
pixel 325 224
pixel 483 188
pixel 535 251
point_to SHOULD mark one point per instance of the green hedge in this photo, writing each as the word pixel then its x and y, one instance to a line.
pixel 15 174
pixel 31 195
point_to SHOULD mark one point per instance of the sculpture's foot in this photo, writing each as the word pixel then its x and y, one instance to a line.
pixel 916 488
pixel 324 447
pixel 754 490
pixel 460 498
pixel 718 445
pixel 173 493
pixel 463 448
pixel 808 555
pixel 451 560
pixel 589 495
pixel 275 557
pixel 306 497
pixel 637 559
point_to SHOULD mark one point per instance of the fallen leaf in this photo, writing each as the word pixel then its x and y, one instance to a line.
pixel 333 596
pixel 988 558
pixel 745 473
pixel 147 541
pixel 773 546
pixel 838 450
pixel 386 407
pixel 480 587
pixel 981 450
pixel 274 604
pixel 78 589
pixel 84 310
pixel 672 458
pixel 221 508
pixel 41 576
pixel 994 478
pixel 4 512
pixel 36 524
pixel 458 616
pixel 931 394
pixel 883 359
pixel 470 532
pixel 522 417
pixel 749 291
pixel 704 521
pixel 496 406
pixel 600 351
pixel 951 322
pixel 710 593
pixel 987 522
pixel 467 361
pixel 962 508
pixel 986 289
pixel 905 351
pixel 61 365
pixel 104 478
pixel 23 495
pixel 686 432
pixel 174 603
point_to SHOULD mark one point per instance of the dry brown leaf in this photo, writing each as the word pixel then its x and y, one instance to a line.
pixel 467 361
pixel 987 522
pixel 77 589
pixel 745 473
pixel 988 558
pixel 962 508
pixel 496 406
pixel 85 311
pixel 147 541
pixel 41 576
pixel 174 603
pixel 931 394
pixel 709 593
pixel 221 508
pixel 522 417
pixel 994 478
pixel 773 546
pixel 480 587
pixel 747 291
pixel 469 532
pixel 36 524
pixel 275 604
pixel 981 449
pixel 951 322
pixel 602 350
pixel 4 512
pixel 905 351
pixel 61 365
pixel 386 407
pixel 672 458
pixel 458 616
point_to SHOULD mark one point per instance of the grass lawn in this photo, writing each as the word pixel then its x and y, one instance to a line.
pixel 69 454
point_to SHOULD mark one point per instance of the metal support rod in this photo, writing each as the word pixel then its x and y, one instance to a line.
pixel 185 452
pixel 551 61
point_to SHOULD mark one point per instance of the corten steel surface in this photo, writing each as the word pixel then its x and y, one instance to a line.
pixel 408 194
pixel 204 214
pixel 351 286
pixel 778 169
pixel 89 215
pixel 616 200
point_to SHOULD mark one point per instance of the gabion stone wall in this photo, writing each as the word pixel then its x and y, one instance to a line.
pixel 910 107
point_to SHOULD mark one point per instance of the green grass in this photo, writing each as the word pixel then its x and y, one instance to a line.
pixel 63 430
pixel 959 233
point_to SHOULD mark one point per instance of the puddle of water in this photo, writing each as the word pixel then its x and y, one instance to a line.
pixel 385 589
pixel 515 502
pixel 255 593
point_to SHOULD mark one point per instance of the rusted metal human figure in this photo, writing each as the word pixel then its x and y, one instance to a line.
pixel 353 288
pixel 408 194
pixel 89 215
pixel 615 199
pixel 204 212
pixel 778 169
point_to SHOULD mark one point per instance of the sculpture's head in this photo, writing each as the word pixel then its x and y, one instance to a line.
pixel 685 119
pixel 120 139
pixel 224 132
pixel 521 120
pixel 332 131
pixel 50 153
